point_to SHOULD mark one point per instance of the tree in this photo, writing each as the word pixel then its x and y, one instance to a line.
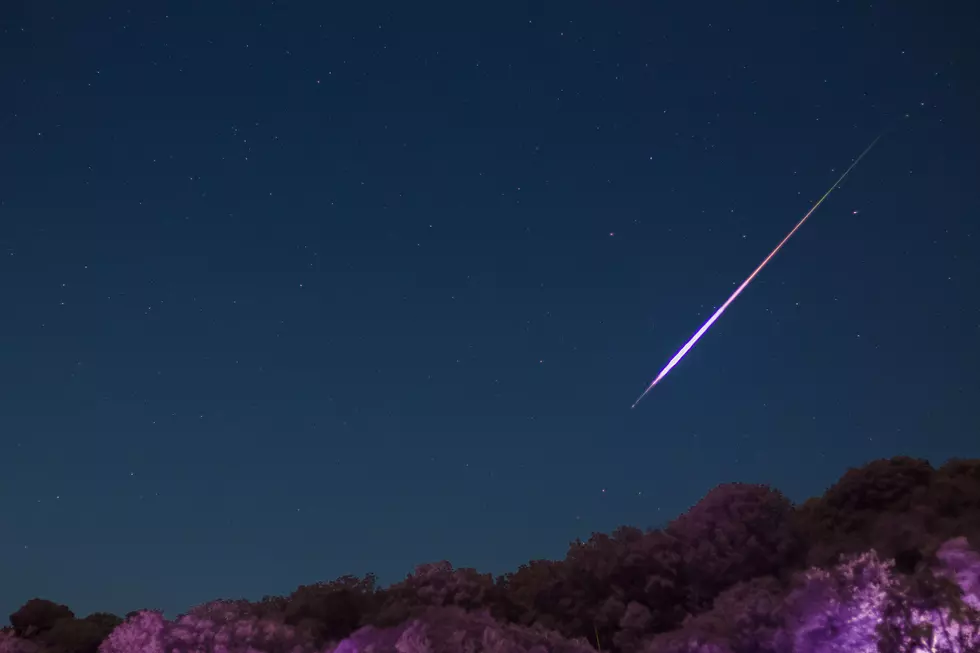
pixel 435 585
pixel 333 610
pixel 954 496
pixel 634 625
pixel 79 635
pixel 737 532
pixel 961 564
pixel 38 616
pixel 234 609
pixel 589 593
pixel 882 505
pixel 745 618
pixel 105 620
pixel 454 630
pixel 839 609
pixel 531 594
pixel 863 606
pixel 149 632
pixel 10 643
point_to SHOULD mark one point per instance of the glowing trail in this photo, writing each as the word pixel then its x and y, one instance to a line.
pixel 697 336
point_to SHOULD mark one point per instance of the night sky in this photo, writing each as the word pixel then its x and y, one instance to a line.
pixel 290 290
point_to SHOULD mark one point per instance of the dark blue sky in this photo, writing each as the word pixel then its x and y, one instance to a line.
pixel 297 289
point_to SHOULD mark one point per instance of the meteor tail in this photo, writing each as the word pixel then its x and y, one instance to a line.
pixel 697 336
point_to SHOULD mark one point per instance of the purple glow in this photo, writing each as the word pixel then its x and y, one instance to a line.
pixel 852 606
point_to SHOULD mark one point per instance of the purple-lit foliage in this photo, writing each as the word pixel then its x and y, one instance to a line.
pixel 737 532
pixel 454 630
pixel 840 609
pixel 746 618
pixel 532 593
pixel 435 585
pixel 10 643
pixel 332 610
pixel 936 610
pixel 901 507
pixel 221 631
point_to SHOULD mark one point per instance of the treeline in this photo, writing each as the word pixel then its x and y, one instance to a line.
pixel 885 560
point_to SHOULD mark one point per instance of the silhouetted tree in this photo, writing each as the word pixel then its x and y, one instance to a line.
pixel 926 611
pixel 532 593
pixel 332 610
pixel 745 618
pixel 735 533
pixel 268 609
pixel 882 505
pixel 954 497
pixel 589 593
pixel 436 585
pixel 76 635
pixel 634 626
pixel 454 630
pixel 38 616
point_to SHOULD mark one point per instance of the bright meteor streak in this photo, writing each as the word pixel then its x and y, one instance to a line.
pixel 697 336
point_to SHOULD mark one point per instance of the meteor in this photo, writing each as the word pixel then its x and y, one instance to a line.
pixel 700 332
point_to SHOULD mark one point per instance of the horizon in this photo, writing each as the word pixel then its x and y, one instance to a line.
pixel 385 582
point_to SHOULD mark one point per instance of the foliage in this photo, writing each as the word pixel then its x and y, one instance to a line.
pixel 10 643
pixel 52 628
pixel 38 616
pixel 621 585
pixel 435 585
pixel 746 618
pixel 331 611
pixel 886 560
pixel 104 621
pixel 532 593
pixel 938 609
pixel 901 507
pixel 864 606
pixel 454 630
pixel 79 635
pixel 839 609
pixel 735 533
pixel 149 632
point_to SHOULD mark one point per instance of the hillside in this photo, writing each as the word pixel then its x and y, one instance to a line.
pixel 886 557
